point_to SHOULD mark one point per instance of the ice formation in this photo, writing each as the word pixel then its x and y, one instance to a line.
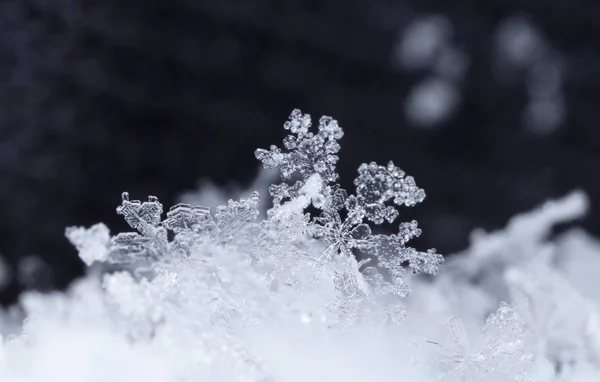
pixel 201 294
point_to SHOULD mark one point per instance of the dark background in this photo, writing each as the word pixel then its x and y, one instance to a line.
pixel 491 105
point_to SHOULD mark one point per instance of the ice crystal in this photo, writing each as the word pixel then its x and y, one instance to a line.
pixel 218 294
pixel 390 250
pixel 190 224
pixel 556 314
pixel 197 283
pixel 151 240
pixel 499 354
pixel 342 222
pixel 376 185
pixel 310 153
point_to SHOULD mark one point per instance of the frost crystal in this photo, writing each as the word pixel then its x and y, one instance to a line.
pixel 377 185
pixel 555 313
pixel 272 245
pixel 218 294
pixel 499 354
pixel 196 284
pixel 191 225
pixel 309 153
pixel 151 240
pixel 379 190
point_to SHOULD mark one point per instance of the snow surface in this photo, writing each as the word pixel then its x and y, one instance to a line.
pixel 235 298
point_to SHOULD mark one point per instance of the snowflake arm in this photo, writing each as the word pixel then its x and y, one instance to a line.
pixel 236 215
pixel 377 185
pixel 145 218
pixel 184 217
pixel 309 153
pixel 191 225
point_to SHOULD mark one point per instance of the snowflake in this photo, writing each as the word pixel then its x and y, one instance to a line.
pixel 499 354
pixel 190 224
pixel 554 311
pixel 379 190
pixel 375 186
pixel 280 244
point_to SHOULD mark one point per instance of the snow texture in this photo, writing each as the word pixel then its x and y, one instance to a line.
pixel 221 294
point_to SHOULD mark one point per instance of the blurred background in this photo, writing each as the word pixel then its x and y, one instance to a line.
pixel 491 105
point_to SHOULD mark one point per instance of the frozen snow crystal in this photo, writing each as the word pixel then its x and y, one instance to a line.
pixel 151 240
pixel 190 224
pixel 499 354
pixel 341 222
pixel 554 311
pixel 219 294
pixel 183 217
pixel 194 286
pixel 376 185
pixel 310 153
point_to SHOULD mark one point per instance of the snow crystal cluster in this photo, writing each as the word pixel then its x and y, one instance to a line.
pixel 312 290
